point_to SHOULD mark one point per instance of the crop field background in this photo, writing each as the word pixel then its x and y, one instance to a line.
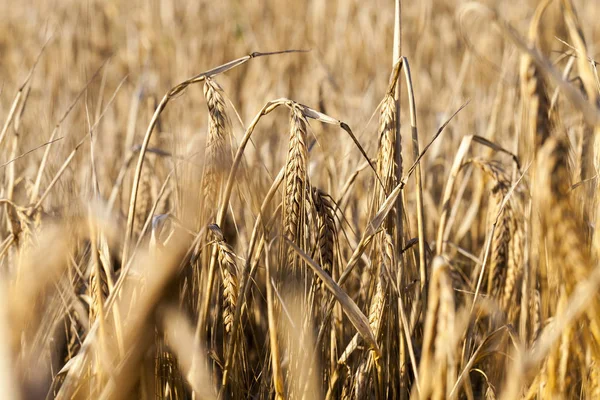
pixel 299 199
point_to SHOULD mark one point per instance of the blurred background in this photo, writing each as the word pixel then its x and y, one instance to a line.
pixel 149 46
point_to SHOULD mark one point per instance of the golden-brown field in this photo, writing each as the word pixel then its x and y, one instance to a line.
pixel 286 199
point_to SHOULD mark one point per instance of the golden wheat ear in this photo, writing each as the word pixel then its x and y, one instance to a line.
pixel 229 272
pixel 501 218
pixel 534 92
pixel 217 156
pixel 437 367
pixel 169 383
pixel 326 229
pixel 296 182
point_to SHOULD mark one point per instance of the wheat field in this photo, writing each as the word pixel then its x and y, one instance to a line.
pixel 334 199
